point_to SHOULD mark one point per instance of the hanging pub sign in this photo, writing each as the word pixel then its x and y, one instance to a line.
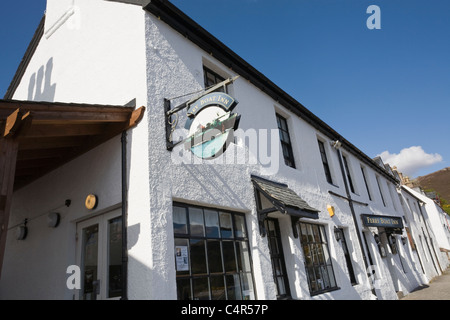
pixel 211 125
pixel 210 122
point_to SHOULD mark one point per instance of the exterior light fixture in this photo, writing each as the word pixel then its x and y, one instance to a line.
pixel 53 219
pixel 337 234
pixel 22 231
pixel 403 240
pixel 336 144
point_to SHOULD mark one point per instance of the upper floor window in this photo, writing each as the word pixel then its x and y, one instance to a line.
pixel 365 182
pixel 381 192
pixel 349 176
pixel 326 167
pixel 212 78
pixel 285 141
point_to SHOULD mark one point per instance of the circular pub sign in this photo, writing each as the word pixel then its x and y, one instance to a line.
pixel 211 125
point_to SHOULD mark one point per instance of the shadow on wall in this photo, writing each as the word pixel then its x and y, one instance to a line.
pixel 40 87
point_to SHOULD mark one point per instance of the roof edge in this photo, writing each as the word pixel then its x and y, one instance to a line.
pixel 187 27
pixel 25 60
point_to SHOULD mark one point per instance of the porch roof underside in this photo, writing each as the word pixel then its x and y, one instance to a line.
pixel 57 133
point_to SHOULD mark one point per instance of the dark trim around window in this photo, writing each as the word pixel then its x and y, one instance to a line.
pixel 285 140
pixel 326 167
pixel 218 263
pixel 318 261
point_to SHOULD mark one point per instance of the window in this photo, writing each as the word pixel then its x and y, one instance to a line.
pixel 349 177
pixel 365 182
pixel 319 269
pixel 285 141
pixel 212 78
pixel 326 167
pixel 212 254
pixel 381 192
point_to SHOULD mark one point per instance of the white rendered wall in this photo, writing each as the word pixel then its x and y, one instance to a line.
pixel 95 56
pixel 175 67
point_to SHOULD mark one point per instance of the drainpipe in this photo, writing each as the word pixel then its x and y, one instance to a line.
pixel 124 218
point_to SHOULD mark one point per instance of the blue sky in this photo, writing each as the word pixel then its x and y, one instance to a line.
pixel 385 90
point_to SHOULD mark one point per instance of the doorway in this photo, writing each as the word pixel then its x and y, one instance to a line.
pixel 277 258
pixel 99 255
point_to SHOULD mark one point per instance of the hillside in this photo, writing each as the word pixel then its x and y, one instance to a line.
pixel 438 181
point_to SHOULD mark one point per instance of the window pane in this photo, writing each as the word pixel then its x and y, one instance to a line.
pixel 316 234
pixel 201 288
pixel 90 262
pixel 233 287
pixel 214 256
pixel 308 256
pixel 243 256
pixel 184 289
pixel 115 258
pixel 217 288
pixel 198 257
pixel 247 286
pixel 182 256
pixel 280 284
pixel 196 222
pixel 229 257
pixel 212 224
pixel 304 233
pixel 226 226
pixel 179 220
pixel 240 231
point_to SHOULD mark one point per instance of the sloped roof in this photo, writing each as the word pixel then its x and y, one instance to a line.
pixel 285 198
pixel 60 132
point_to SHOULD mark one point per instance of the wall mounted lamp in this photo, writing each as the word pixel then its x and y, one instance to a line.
pixel 53 219
pixel 22 231
pixel 337 234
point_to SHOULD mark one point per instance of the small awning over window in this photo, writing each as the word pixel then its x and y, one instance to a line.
pixel 282 199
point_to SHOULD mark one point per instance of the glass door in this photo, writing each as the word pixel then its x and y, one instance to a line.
pixel 99 242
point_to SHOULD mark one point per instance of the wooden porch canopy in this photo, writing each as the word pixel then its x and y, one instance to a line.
pixel 38 137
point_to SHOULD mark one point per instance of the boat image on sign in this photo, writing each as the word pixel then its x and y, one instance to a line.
pixel 211 140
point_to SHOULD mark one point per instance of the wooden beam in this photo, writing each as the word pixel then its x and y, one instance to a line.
pixel 136 117
pixel 39 130
pixel 16 121
pixel 8 155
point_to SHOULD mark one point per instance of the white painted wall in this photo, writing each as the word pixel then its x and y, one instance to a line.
pixel 97 56
pixel 175 68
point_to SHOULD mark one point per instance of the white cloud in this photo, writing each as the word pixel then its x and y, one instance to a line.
pixel 410 160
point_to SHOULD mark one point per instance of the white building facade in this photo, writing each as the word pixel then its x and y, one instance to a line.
pixel 290 210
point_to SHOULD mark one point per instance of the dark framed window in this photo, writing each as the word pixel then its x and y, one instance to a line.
pixel 212 78
pixel 212 254
pixel 365 182
pixel 349 176
pixel 381 192
pixel 285 141
pixel 318 265
pixel 326 167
